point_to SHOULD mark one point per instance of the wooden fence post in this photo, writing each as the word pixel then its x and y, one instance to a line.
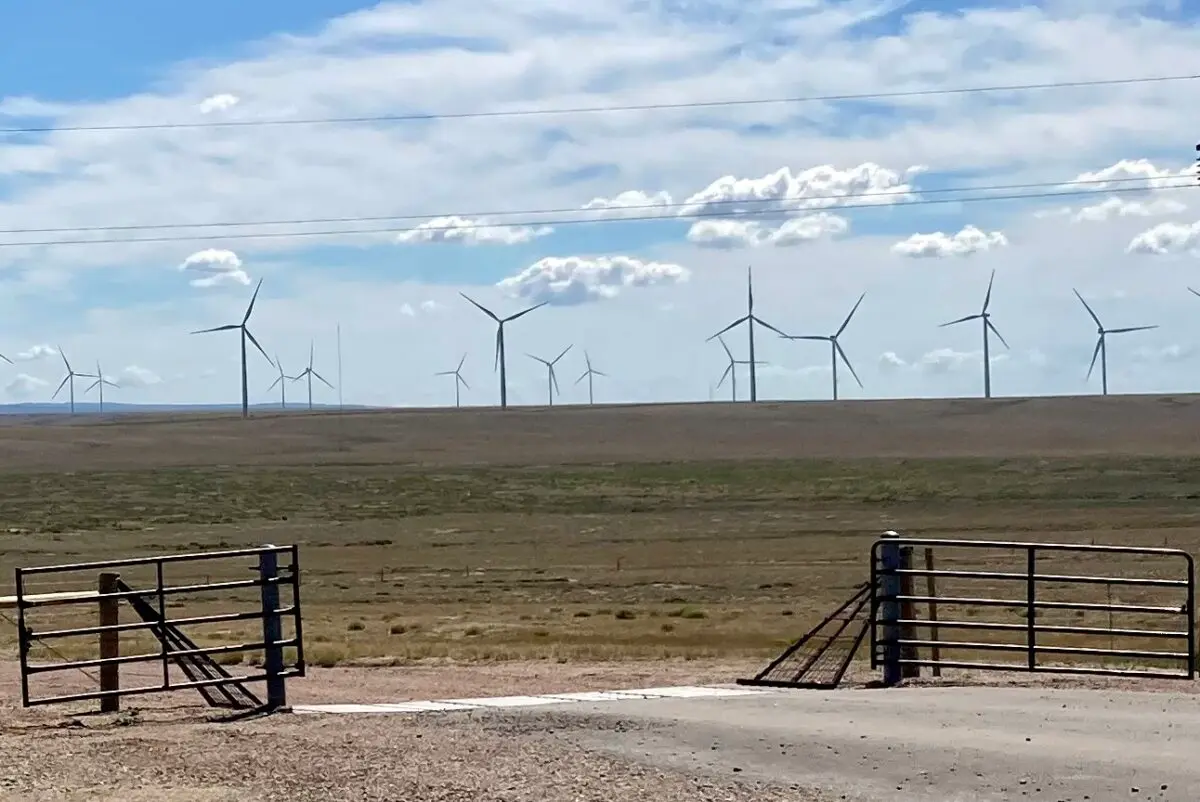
pixel 110 642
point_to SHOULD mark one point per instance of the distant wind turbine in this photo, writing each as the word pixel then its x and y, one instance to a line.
pixel 6 359
pixel 551 379
pixel 281 381
pixel 500 359
pixel 100 383
pixel 836 348
pixel 730 370
pixel 1102 342
pixel 749 319
pixel 245 335
pixel 69 378
pixel 308 373
pixel 588 374
pixel 459 381
pixel 988 326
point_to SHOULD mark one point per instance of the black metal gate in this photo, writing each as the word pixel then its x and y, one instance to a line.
pixel 1036 603
pixel 214 579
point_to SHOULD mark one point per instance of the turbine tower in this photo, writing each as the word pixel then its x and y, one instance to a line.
pixel 308 373
pixel 500 360
pixel 1102 342
pixel 749 319
pixel 986 319
pixel 730 370
pixel 100 383
pixel 281 380
pixel 836 348
pixel 551 379
pixel 459 381
pixel 70 377
pixel 588 374
pixel 245 335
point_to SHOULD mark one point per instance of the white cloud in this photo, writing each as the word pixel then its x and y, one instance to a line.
pixel 215 267
pixel 1124 207
pixel 23 386
pixel 221 102
pixel 632 203
pixel 938 361
pixel 577 279
pixel 1166 238
pixel 470 232
pixel 1139 173
pixel 430 306
pixel 137 376
pixel 34 352
pixel 1165 354
pixel 820 187
pixel 970 240
pixel 729 234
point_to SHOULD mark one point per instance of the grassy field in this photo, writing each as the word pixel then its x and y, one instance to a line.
pixel 590 533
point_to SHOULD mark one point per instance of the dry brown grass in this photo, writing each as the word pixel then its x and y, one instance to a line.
pixel 590 533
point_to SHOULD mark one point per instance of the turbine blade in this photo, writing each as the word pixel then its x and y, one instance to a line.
pixel 749 291
pixel 499 334
pixel 587 358
pixel 66 379
pixel 250 337
pixel 987 299
pixel 732 325
pixel 274 383
pixel 582 376
pixel 1193 292
pixel 112 384
pixel 444 373
pixel 464 381
pixel 460 363
pixel 728 353
pixel 91 387
pixel 1088 308
pixel 725 375
pixel 599 373
pixel 253 298
pixel 765 324
pixel 824 337
pixel 996 331
pixel 960 320
pixel 230 327
pixel 481 307
pixel 539 359
pixel 6 359
pixel 311 347
pixel 1095 353
pixel 846 322
pixel 554 381
pixel 1129 329
pixel 562 354
pixel 846 359
pixel 322 380
pixel 525 312
pixel 64 358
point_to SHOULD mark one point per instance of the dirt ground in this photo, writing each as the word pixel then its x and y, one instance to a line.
pixel 673 553
pixel 1089 425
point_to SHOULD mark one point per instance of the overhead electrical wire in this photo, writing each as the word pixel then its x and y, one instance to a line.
pixel 719 214
pixel 532 112
pixel 563 210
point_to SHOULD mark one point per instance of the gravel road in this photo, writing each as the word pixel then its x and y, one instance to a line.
pixel 926 744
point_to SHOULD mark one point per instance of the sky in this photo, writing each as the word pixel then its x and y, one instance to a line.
pixel 636 228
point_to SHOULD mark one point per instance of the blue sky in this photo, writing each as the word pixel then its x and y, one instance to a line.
pixel 640 296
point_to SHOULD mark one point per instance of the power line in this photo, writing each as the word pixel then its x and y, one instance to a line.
pixel 701 104
pixel 571 210
pixel 727 215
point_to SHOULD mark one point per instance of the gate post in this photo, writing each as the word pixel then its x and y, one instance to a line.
pixel 110 641
pixel 889 608
pixel 268 572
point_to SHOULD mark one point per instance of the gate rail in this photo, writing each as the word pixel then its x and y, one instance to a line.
pixel 150 604
pixel 895 645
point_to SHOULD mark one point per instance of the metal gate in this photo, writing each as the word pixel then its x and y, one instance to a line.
pixel 1035 603
pixel 214 581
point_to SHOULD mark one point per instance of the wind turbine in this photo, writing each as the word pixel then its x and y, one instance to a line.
pixel 6 359
pixel 1102 342
pixel 588 374
pixel 836 348
pixel 245 335
pixel 749 319
pixel 551 379
pixel 986 319
pixel 730 370
pixel 500 360
pixel 100 382
pixel 282 382
pixel 459 381
pixel 308 373
pixel 70 377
